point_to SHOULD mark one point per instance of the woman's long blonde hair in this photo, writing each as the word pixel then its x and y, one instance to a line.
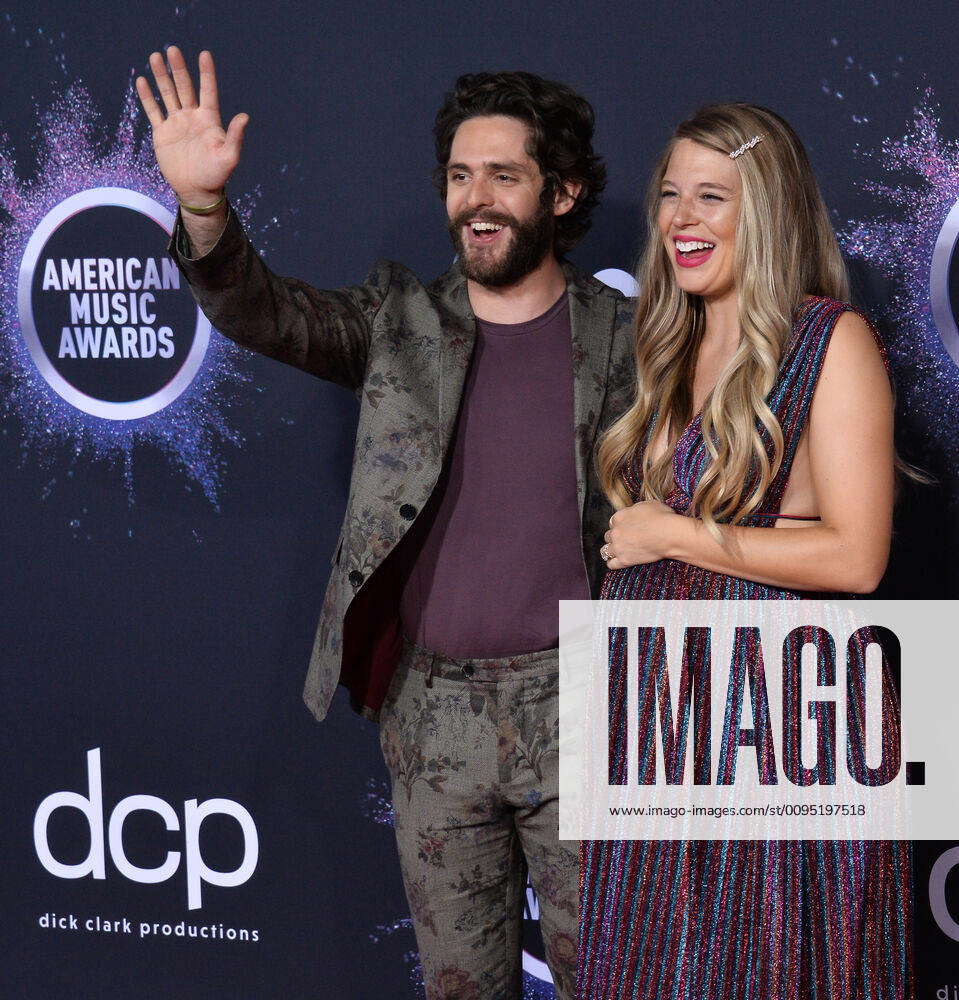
pixel 785 249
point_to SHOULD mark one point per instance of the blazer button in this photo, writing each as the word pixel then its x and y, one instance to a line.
pixel 356 577
pixel 408 511
pixel 469 669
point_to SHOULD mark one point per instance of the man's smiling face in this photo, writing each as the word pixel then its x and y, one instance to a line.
pixel 494 199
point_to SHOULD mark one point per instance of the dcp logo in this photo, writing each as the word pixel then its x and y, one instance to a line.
pixel 194 813
pixel 105 318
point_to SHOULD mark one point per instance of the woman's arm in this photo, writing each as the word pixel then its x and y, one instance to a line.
pixel 850 442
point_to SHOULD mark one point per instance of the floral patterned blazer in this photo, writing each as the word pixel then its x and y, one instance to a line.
pixel 404 348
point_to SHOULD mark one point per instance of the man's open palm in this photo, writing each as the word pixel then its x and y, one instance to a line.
pixel 195 154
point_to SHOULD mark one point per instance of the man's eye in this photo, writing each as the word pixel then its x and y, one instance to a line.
pixel 505 178
pixel 457 177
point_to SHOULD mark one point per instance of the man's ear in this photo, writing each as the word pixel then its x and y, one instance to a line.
pixel 565 197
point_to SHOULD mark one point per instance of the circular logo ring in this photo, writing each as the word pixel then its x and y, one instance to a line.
pixel 99 198
pixel 939 283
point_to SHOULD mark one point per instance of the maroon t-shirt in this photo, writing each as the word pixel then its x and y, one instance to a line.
pixel 499 542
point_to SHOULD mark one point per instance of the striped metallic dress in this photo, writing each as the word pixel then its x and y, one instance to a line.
pixel 741 920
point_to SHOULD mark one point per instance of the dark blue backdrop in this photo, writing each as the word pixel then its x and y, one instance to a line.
pixel 172 631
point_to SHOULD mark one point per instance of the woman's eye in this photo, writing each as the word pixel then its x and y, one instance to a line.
pixel 667 194
pixel 712 197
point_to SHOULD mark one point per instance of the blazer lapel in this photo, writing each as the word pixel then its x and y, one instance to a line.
pixel 457 339
pixel 592 317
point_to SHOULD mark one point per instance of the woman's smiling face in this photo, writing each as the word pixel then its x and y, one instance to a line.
pixel 699 203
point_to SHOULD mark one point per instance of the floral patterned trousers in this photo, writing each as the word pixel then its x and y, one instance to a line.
pixel 471 747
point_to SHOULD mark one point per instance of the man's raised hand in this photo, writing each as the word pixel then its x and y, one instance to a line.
pixel 194 153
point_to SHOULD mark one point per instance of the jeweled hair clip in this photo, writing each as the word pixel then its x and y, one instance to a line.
pixel 747 145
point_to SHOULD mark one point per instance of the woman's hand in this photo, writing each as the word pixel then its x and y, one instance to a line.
pixel 639 534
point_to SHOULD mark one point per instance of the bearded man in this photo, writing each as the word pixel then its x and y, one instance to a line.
pixel 473 506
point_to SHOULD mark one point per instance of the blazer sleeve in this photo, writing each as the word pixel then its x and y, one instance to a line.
pixel 325 333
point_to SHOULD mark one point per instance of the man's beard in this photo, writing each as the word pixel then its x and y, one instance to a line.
pixel 531 241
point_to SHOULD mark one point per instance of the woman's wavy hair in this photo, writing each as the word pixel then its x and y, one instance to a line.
pixel 785 249
pixel 560 124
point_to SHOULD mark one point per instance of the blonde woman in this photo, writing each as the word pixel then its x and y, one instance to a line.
pixel 757 462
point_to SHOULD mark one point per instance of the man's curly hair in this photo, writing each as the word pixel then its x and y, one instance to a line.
pixel 560 124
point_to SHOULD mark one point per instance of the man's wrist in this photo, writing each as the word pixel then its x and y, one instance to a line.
pixel 202 202
pixel 203 232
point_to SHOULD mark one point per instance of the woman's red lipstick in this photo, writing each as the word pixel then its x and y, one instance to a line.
pixel 691 258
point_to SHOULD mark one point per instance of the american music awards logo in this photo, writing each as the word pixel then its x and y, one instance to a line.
pixel 110 327
pixel 944 283
pixel 102 348
pixel 911 241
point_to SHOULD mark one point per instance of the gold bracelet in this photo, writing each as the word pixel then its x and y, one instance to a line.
pixel 202 210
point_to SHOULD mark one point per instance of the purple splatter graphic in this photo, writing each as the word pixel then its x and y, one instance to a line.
pixel 74 154
pixel 536 989
pixel 376 804
pixel 922 168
